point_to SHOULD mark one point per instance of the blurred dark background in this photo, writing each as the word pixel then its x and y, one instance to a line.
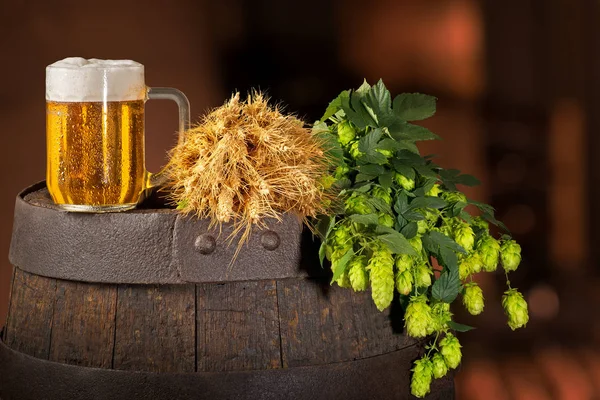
pixel 518 83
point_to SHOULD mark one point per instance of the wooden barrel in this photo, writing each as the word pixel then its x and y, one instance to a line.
pixel 144 305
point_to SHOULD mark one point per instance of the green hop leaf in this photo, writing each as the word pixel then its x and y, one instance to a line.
pixel 515 307
pixel 423 275
pixel 450 349
pixel 420 382
pixel 414 106
pixel 440 369
pixel 404 282
pixel 510 253
pixel 346 132
pixel 381 272
pixel 404 182
pixel 357 273
pixel 418 317
pixel 489 250
pixel 473 298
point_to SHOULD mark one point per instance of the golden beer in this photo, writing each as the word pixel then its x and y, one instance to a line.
pixel 95 152
pixel 95 133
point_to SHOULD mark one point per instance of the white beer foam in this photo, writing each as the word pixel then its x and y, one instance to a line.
pixel 76 79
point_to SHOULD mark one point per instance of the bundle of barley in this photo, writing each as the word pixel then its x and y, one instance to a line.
pixel 246 161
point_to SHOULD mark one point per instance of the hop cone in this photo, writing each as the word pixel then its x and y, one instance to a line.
pixel 469 264
pixel 423 275
pixel 434 191
pixel 420 382
pixel 381 271
pixel 341 171
pixel 421 226
pixel 480 223
pixel 404 282
pixel 464 235
pixel 450 349
pixel 441 316
pixel 416 244
pixel 489 250
pixel 342 280
pixel 354 151
pixel 473 299
pixel 515 308
pixel 359 279
pixel 386 220
pixel 346 133
pixel 404 182
pixel 404 262
pixel 454 197
pixel 440 369
pixel 418 317
pixel 383 194
pixel 358 204
pixel 341 238
pixel 510 252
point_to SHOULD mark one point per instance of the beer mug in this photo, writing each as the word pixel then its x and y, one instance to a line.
pixel 95 133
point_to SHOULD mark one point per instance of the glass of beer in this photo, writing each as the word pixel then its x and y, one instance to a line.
pixel 95 133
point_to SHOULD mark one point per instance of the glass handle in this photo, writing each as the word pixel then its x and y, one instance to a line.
pixel 183 104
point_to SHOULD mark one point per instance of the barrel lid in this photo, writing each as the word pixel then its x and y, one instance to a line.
pixel 152 244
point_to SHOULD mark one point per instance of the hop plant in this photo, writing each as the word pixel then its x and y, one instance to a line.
pixel 515 308
pixel 473 298
pixel 381 272
pixel 246 162
pixel 510 253
pixel 420 383
pixel 440 369
pixel 407 219
pixel 418 317
pixel 450 350
pixel 357 273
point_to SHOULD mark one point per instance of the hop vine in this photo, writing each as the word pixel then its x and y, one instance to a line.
pixel 403 225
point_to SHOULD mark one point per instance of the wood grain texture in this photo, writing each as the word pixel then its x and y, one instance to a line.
pixel 238 326
pixel 378 332
pixel 317 323
pixel 155 328
pixel 29 324
pixel 84 324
